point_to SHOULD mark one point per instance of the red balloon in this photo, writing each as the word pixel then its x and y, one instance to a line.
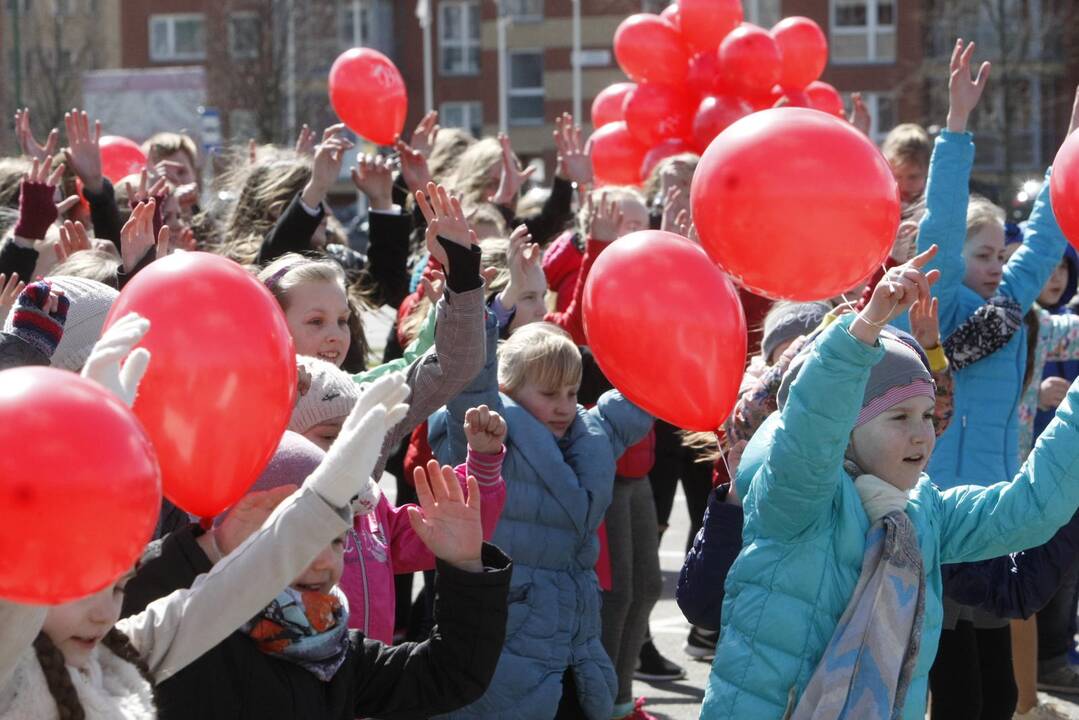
pixel 617 155
pixel 825 98
pixel 368 94
pixel 766 100
pixel 704 23
pixel 79 484
pixel 803 51
pixel 696 385
pixel 649 48
pixel 657 112
pixel 666 149
pixel 671 15
pixel 716 114
pixel 607 106
pixel 120 157
pixel 750 60
pixel 221 385
pixel 704 76
pixel 795 204
pixel 1064 188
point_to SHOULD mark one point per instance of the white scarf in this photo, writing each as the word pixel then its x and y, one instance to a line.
pixel 109 688
pixel 879 497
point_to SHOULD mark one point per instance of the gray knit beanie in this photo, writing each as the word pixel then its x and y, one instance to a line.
pixel 788 321
pixel 332 395
pixel 296 457
pixel 90 304
pixel 901 374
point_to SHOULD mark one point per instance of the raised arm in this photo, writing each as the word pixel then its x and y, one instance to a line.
pixel 1043 246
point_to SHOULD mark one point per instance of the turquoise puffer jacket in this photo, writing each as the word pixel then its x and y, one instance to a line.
pixel 805 533
pixel 557 493
pixel 981 445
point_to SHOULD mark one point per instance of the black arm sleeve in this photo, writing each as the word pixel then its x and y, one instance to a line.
pixel 464 271
pixel 167 565
pixel 16 352
pixel 556 214
pixel 104 213
pixel 455 665
pixel 15 259
pixel 387 258
pixel 292 233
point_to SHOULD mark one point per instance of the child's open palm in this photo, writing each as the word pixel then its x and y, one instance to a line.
pixel 485 430
pixel 447 522
pixel 925 323
pixel 606 219
pixel 964 90
pixel 445 219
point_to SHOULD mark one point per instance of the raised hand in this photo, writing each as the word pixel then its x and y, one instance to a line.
pixel 964 90
pixel 859 114
pixel 373 176
pixel 448 523
pixel 137 235
pixel 513 177
pixel 906 242
pixel 247 516
pixel 425 134
pixel 675 212
pixel 103 365
pixel 574 156
pixel 414 169
pixel 485 430
pixel 896 292
pixel 305 141
pixel 606 218
pixel 445 219
pixel 329 156
pixel 30 146
pixel 83 152
pixel 521 255
pixel 9 292
pixel 433 287
pixel 925 323
pixel 37 211
pixel 1052 392
pixel 159 189
pixel 73 239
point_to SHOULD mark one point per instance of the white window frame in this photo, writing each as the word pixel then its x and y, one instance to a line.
pixel 465 42
pixel 870 30
pixel 172 19
pixel 513 11
pixel 243 15
pixel 471 112
pixel 361 11
pixel 512 92
pixel 872 98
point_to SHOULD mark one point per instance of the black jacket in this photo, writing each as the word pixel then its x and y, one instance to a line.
pixel 16 352
pixel 236 681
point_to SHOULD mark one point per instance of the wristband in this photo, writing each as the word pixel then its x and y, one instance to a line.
pixel 37 211
pixel 938 360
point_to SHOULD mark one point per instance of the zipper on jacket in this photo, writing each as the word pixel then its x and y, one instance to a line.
pixel 366 593
pixel 962 442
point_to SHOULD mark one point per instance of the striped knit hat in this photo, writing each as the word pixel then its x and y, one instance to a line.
pixel 331 396
pixel 90 301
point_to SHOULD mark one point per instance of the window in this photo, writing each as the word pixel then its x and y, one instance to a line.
pixel 464 115
pixel 525 89
pixel 523 10
pixel 1025 132
pixel 177 37
pixel 243 35
pixel 763 12
pixel 355 23
pixel 863 31
pixel 459 37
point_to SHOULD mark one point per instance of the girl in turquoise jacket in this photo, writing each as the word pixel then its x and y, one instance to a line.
pixel 815 489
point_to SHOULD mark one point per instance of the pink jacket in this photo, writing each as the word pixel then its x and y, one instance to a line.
pixel 383 543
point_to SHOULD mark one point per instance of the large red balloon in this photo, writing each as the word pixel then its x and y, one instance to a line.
pixel 696 384
pixel 826 98
pixel 120 157
pixel 1064 188
pixel 649 48
pixel 79 484
pixel 607 106
pixel 795 204
pixel 657 112
pixel 704 23
pixel 617 155
pixel 715 115
pixel 659 153
pixel 750 60
pixel 221 384
pixel 368 94
pixel 803 50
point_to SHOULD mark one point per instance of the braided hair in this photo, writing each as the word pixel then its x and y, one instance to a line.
pixel 58 678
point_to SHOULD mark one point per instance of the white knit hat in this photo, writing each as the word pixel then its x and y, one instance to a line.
pixel 90 303
pixel 331 396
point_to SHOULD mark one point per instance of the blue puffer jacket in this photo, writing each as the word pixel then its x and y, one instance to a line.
pixel 981 445
pixel 805 533
pixel 557 493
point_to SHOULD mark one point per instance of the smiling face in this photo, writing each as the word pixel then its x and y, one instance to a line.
pixel 325 570
pixel 317 316
pixel 985 258
pixel 896 445
pixel 555 407
pixel 78 626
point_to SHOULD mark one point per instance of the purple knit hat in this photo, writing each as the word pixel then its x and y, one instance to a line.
pixel 296 457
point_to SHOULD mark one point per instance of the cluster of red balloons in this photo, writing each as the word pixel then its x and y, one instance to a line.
pixel 368 94
pixel 697 68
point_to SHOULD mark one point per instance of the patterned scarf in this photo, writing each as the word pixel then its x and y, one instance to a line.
pixel 862 675
pixel 307 628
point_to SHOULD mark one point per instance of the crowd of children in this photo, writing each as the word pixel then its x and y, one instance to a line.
pixel 887 522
